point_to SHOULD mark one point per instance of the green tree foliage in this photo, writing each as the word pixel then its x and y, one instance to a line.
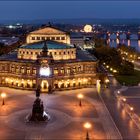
pixel 127 68
pixel 99 42
pixel 112 57
pixel 108 55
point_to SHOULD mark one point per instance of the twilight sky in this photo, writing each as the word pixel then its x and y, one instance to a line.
pixel 25 10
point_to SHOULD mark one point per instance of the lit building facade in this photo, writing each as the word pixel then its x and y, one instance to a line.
pixel 50 64
pixel 48 33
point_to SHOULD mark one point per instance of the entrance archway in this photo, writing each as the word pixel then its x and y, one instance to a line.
pixel 44 86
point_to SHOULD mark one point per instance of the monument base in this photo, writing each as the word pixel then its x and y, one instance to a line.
pixel 38 113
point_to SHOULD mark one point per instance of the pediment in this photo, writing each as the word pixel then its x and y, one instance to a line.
pixel 48 30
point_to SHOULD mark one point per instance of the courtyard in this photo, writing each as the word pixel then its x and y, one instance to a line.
pixel 67 117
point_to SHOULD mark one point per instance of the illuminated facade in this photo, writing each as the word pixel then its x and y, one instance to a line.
pixel 48 33
pixel 50 64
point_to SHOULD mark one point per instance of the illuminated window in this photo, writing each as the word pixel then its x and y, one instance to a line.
pixel 62 71
pixel 22 70
pixel 17 69
pixel 28 70
pixel 74 69
pixel 12 68
pixel 55 71
pixel 34 71
pixel 68 70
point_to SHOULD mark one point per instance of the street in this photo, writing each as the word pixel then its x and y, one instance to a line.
pixel 126 126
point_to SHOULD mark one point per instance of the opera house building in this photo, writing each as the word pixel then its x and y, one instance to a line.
pixel 48 60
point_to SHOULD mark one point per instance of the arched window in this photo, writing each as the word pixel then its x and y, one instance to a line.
pixel 28 71
pixel 62 70
pixel 55 71
pixel 22 70
pixel 34 70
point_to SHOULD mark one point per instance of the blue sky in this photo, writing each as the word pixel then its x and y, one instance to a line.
pixel 26 10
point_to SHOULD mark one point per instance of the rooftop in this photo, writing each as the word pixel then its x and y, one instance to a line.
pixel 82 55
pixel 50 45
pixel 49 30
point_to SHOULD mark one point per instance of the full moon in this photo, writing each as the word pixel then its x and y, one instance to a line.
pixel 88 28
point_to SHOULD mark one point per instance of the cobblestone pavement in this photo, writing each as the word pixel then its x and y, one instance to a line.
pixel 67 117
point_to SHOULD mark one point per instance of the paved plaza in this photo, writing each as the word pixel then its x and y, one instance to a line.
pixel 67 117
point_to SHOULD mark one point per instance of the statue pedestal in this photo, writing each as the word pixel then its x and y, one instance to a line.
pixel 38 113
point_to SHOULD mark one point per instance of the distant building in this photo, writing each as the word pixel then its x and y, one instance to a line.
pixel 79 41
pixel 48 60
pixel 9 40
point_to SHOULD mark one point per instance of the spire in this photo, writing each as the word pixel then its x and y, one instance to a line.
pixel 45 49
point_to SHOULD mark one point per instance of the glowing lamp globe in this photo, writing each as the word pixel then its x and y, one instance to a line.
pixel 87 125
pixel 45 71
pixel 3 95
pixel 80 96
pixel 87 28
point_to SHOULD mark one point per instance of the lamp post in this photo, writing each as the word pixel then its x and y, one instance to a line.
pixel 3 95
pixel 124 99
pixel 118 92
pixel 107 82
pixel 98 86
pixel 87 126
pixel 80 97
pixel 131 110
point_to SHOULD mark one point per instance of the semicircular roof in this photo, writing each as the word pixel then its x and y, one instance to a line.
pixel 50 45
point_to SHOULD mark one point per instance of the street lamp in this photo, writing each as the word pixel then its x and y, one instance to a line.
pixel 107 80
pixel 124 99
pixel 118 92
pixel 3 95
pixel 131 108
pixel 87 126
pixel 107 66
pixel 80 97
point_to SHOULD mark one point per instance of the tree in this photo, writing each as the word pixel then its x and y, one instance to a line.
pixel 127 68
